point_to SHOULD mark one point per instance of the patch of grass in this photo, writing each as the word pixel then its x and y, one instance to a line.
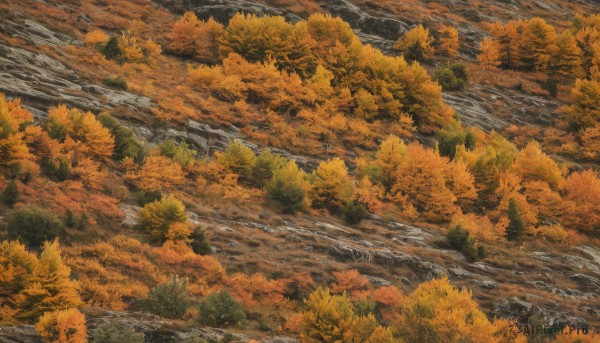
pixel 116 82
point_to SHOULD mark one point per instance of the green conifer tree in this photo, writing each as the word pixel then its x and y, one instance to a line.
pixel 515 227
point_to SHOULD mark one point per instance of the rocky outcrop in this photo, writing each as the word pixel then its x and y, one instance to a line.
pixel 154 328
pixel 42 81
pixel 19 334
pixel 223 10
pixel 521 311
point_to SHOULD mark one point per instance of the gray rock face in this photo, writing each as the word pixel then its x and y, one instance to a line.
pixel 223 10
pixel 154 328
pixel 383 25
pixel 42 82
pixel 587 282
pixel 521 311
pixel 487 284
pixel 19 334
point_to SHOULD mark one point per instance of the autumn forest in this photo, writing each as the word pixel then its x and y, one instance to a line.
pixel 310 171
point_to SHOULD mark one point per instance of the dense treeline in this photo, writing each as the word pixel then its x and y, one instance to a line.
pixel 534 44
pixel 311 66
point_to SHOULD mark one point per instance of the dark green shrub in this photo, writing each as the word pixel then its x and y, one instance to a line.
pixel 179 153
pixel 551 85
pixel 267 163
pixel 200 243
pixel 169 299
pixel 126 143
pixel 220 309
pixel 10 195
pixel 111 50
pixel 354 212
pixel 69 218
pixel 146 197
pixel 116 82
pixel 115 332
pixel 459 239
pixel 516 226
pixel 457 236
pixel 33 225
pixel 82 222
pixel 414 53
pixel 452 136
pixel 452 76
pixel 364 307
pixel 287 186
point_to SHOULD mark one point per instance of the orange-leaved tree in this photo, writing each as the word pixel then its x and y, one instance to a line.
pixel 49 287
pixel 65 326
pixel 191 37
pixel 416 43
pixel 331 184
pixel 437 311
pixel 448 40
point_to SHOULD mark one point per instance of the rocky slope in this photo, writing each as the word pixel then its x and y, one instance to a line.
pixel 563 286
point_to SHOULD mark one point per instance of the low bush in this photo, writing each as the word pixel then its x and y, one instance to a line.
pixel 33 225
pixel 459 239
pixel 452 76
pixel 115 332
pixel 116 82
pixel 220 309
pixel 169 299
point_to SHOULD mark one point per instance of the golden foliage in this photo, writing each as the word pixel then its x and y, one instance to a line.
pixel 489 53
pixel 327 317
pixel 270 37
pixel 164 219
pixel 191 37
pixel 417 42
pixel 534 165
pixel 157 173
pixel 67 326
pixel 96 37
pixel 448 40
pixel 48 287
pixel 424 183
pixel 584 111
pixel 583 188
pixel 436 310
pixel 331 184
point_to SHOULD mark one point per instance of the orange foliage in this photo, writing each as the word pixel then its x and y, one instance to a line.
pixel 191 37
pixel 96 37
pixel 390 300
pixel 256 290
pixel 158 172
pixel 583 188
pixel 489 53
pixel 448 40
pixel 350 281
pixel 67 326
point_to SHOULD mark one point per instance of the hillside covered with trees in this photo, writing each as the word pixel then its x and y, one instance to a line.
pixel 310 171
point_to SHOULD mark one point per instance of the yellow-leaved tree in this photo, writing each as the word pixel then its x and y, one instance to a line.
pixel 416 44
pixel 448 40
pixel 66 326
pixel 191 37
pixel 489 53
pixel 331 184
pixel 49 287
pixel 438 312
pixel 157 173
pixel 389 156
pixel 13 150
pixel 164 218
pixel 584 111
